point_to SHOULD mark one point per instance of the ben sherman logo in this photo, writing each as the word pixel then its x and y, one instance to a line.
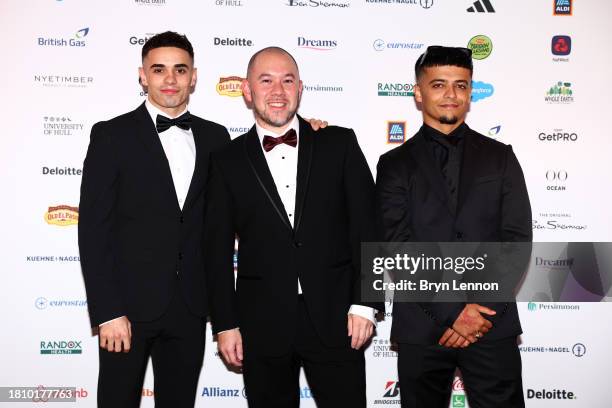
pixel 317 3
pixel 62 215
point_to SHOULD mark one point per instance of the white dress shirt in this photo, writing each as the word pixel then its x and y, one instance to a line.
pixel 179 148
pixel 282 161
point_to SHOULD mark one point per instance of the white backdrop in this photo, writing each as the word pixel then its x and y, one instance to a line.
pixel 68 64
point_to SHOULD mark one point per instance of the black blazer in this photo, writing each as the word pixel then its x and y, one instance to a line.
pixel 133 236
pixel 413 206
pixel 334 213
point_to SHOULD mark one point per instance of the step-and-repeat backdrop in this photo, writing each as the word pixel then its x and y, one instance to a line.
pixel 541 83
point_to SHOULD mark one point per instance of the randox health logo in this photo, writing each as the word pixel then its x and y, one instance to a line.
pixel 61 347
pixel 62 215
pixel 230 86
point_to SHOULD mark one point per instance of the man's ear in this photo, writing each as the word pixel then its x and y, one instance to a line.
pixel 246 90
pixel 143 78
pixel 417 94
pixel 194 77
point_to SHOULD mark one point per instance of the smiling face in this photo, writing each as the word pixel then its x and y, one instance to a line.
pixel 273 89
pixel 169 76
pixel 444 93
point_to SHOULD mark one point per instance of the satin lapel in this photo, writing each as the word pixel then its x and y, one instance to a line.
pixel 259 165
pixel 305 151
pixel 469 165
pixel 422 155
pixel 200 169
pixel 148 135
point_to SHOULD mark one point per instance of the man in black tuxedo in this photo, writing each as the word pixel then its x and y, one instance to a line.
pixel 449 183
pixel 140 233
pixel 300 204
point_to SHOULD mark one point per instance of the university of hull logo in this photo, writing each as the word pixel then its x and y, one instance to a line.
pixel 481 6
pixel 562 8
pixel 62 215
pixel 230 86
pixel 396 132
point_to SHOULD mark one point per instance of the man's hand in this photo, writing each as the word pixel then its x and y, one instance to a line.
pixel 451 338
pixel 115 334
pixel 317 124
pixel 470 323
pixel 230 346
pixel 360 330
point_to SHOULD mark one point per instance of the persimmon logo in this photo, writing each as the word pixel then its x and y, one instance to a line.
pixel 230 86
pixel 62 215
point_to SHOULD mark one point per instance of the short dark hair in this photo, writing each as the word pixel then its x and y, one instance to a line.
pixel 437 55
pixel 270 49
pixel 167 39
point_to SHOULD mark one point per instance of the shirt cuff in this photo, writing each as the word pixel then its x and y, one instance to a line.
pixel 223 331
pixel 364 311
pixel 111 320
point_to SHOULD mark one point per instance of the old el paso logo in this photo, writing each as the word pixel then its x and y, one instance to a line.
pixel 62 215
pixel 230 86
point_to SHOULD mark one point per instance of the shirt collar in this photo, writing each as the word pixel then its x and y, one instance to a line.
pixel 154 111
pixel 261 132
pixel 454 136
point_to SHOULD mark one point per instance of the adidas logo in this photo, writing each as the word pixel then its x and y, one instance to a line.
pixel 396 130
pixel 481 6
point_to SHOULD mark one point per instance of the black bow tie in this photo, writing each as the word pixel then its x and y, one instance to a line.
pixel 163 123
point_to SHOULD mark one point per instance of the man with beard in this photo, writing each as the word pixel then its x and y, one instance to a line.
pixel 300 204
pixel 449 183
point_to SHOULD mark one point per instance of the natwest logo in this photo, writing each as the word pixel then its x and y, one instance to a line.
pixel 318 3
pixel 558 135
pixel 62 215
pixel 318 45
pixel 561 45
pixel 550 394
pixel 230 86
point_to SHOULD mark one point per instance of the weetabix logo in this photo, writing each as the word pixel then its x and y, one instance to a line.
pixel 396 132
pixel 230 86
pixel 62 215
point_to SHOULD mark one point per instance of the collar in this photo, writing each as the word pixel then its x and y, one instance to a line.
pixel 452 139
pixel 261 131
pixel 154 111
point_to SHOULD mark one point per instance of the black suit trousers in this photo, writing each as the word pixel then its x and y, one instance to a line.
pixel 336 376
pixel 175 342
pixel 491 372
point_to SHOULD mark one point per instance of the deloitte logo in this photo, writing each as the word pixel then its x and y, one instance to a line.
pixel 395 89
pixel 481 90
pixel 61 347
pixel 76 41
pixel 481 47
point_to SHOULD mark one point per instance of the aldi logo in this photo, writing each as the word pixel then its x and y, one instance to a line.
pixel 562 7
pixel 396 132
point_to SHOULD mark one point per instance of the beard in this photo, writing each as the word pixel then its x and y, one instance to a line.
pixel 448 120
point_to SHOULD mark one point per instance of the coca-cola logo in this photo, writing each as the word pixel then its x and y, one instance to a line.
pixel 458 384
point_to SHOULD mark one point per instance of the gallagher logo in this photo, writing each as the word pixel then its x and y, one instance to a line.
pixel 317 45
pixel 62 215
pixel 76 41
pixel 396 132
pixel 61 347
pixel 230 86
pixel 562 7
pixel 481 90
pixel 561 45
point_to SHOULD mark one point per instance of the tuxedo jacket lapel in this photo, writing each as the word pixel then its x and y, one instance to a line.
pixel 305 152
pixel 469 166
pixel 258 164
pixel 148 135
pixel 200 170
pixel 421 153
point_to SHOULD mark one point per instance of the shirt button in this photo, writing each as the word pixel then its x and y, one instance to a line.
pixel 459 235
pixel 283 157
pixel 287 186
